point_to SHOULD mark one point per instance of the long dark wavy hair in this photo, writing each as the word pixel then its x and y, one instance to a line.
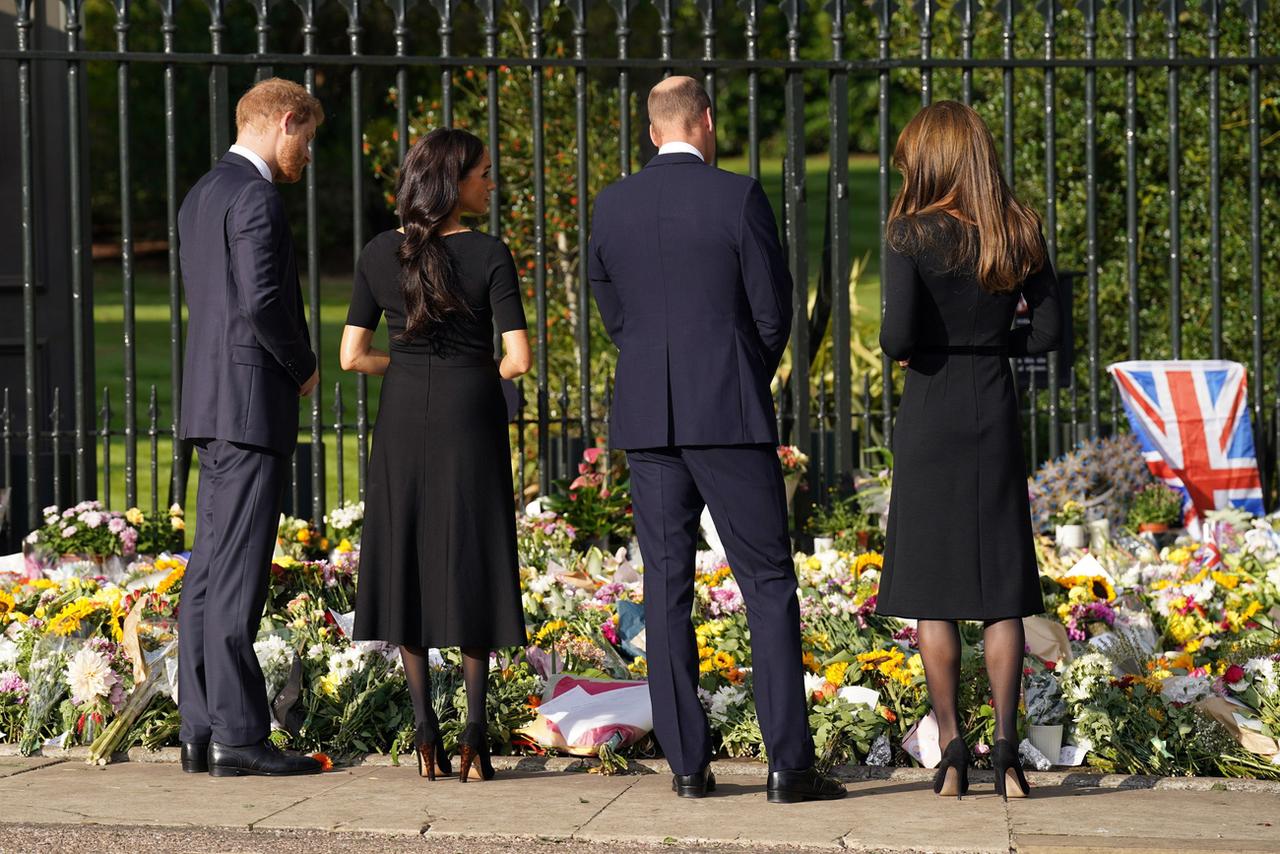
pixel 949 166
pixel 426 194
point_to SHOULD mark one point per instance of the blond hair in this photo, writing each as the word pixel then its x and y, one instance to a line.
pixel 270 99
pixel 949 166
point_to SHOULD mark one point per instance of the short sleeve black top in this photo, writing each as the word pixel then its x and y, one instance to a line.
pixel 484 273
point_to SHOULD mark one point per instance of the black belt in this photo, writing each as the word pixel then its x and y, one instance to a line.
pixel 968 350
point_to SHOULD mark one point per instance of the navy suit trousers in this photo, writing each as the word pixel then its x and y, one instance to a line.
pixel 221 693
pixel 742 486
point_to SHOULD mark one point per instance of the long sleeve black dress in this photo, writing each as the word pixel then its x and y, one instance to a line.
pixel 959 544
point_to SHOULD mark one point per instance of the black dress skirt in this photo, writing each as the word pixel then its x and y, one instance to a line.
pixel 959 541
pixel 438 551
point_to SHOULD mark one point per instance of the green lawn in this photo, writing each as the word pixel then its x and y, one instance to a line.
pixel 152 331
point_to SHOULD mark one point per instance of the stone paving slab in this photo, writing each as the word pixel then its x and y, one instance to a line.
pixel 138 794
pixel 895 811
pixel 1166 819
pixel 11 765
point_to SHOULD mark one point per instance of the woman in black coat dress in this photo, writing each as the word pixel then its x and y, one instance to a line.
pixel 438 551
pixel 961 254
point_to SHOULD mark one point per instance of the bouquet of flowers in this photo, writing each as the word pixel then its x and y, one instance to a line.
pixel 346 522
pixel 300 539
pixel 793 460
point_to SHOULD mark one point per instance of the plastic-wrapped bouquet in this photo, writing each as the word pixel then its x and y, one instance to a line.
pixel 1045 706
pixel 45 688
pixel 346 522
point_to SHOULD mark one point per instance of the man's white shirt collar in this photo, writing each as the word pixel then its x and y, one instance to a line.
pixel 680 147
pixel 252 156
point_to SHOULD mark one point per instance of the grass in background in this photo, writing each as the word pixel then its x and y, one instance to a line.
pixel 152 336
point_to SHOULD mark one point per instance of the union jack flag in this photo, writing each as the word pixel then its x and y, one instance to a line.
pixel 1192 419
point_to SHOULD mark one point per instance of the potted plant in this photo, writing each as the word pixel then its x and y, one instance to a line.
pixel 841 525
pixel 1069 529
pixel 1046 713
pixel 1155 509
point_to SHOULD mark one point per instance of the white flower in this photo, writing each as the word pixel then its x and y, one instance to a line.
pixel 91 519
pixel 275 657
pixel 723 702
pixel 51 510
pixel 8 653
pixel 1186 689
pixel 69 531
pixel 813 682
pixel 1264 671
pixel 345 663
pixel 90 676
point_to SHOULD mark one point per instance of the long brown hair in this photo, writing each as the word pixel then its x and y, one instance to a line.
pixel 426 194
pixel 949 166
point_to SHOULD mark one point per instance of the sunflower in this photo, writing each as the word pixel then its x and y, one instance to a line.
pixel 867 560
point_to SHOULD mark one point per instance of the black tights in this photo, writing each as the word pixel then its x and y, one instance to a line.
pixel 417 673
pixel 1004 644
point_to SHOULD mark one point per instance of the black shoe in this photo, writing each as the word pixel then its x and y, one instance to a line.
pixel 432 759
pixel 1010 781
pixel 261 759
pixel 195 757
pixel 473 754
pixel 792 787
pixel 695 785
pixel 952 777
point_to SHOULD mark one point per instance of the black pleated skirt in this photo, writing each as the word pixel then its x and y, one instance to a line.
pixel 438 560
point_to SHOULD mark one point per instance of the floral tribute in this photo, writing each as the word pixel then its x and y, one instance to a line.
pixel 1166 660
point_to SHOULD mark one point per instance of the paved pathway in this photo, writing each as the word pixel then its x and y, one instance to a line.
pixel 69 800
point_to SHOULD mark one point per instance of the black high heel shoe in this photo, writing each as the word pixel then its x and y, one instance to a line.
pixel 1010 781
pixel 429 746
pixel 473 754
pixel 952 777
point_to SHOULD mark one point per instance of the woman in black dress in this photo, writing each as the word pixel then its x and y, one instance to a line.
pixel 438 553
pixel 961 252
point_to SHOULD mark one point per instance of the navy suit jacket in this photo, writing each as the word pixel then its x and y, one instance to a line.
pixel 693 288
pixel 248 350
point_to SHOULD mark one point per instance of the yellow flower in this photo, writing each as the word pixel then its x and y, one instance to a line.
pixel 329 685
pixel 723 660
pixel 551 628
pixel 344 546
pixel 813 564
pixel 1178 555
pixel 177 523
pixel 818 640
pixel 1155 713
pixel 175 575
pixel 835 673
pixel 810 662
pixel 7 602
pixel 915 666
pixel 639 667
pixel 69 618
pixel 1225 579
pixel 133 516
pixel 175 510
pixel 869 560
pixel 304 536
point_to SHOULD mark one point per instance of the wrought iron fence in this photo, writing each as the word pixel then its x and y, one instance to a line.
pixel 873 53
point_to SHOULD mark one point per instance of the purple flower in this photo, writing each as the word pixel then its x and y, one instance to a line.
pixel 116 525
pixel 69 531
pixel 12 683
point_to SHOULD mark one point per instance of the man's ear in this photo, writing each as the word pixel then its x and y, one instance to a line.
pixel 289 122
pixel 654 136
pixel 708 122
